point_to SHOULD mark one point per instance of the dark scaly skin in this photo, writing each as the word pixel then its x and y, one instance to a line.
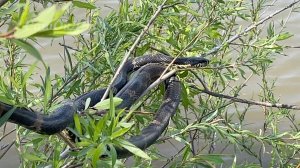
pixel 152 132
pixel 134 64
pixel 63 116
pixel 141 80
pixel 40 123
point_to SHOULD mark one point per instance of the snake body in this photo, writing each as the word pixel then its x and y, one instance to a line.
pixel 128 91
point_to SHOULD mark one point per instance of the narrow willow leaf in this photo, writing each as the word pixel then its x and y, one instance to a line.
pixel 179 139
pixel 233 165
pixel 68 29
pixel 105 104
pixel 133 149
pixel 37 24
pixel 85 5
pixel 284 36
pixel 212 116
pixel 119 132
pixel 84 143
pixel 99 127
pixel 24 15
pixel 77 124
pixel 6 116
pixel 60 12
pixel 32 157
pixel 113 153
pixel 28 74
pixel 46 14
pixel 215 158
pixel 48 88
pixel 97 153
pixel 30 49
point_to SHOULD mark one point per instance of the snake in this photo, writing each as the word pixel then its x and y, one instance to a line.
pixel 149 67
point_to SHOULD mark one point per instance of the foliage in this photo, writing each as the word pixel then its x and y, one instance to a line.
pixel 183 28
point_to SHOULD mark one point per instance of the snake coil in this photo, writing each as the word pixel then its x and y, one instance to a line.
pixel 149 69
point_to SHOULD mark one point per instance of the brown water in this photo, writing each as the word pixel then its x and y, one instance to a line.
pixel 285 70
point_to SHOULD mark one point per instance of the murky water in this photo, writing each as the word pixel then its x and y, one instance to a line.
pixel 285 70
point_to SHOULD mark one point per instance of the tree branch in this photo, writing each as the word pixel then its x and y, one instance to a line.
pixel 250 102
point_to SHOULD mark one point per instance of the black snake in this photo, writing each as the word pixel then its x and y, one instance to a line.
pixel 128 91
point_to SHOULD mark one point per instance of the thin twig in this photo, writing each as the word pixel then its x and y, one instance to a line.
pixel 66 140
pixel 137 41
pixel 69 47
pixel 250 102
pixel 6 150
pixel 7 134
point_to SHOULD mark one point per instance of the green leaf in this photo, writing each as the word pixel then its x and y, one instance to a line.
pixel 215 158
pixel 68 29
pixel 84 143
pixel 113 153
pixel 24 15
pixel 284 36
pixel 37 24
pixel 99 127
pixel 31 157
pixel 48 88
pixel 6 116
pixel 60 12
pixel 212 116
pixel 105 104
pixel 133 149
pixel 29 48
pixel 179 139
pixel 77 124
pixel 99 150
pixel 28 74
pixel 119 132
pixel 85 5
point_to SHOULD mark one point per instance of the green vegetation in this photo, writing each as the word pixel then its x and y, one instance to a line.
pixel 238 37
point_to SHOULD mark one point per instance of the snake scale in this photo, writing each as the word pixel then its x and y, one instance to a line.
pixel 148 67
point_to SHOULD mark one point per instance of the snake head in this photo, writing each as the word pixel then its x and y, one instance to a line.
pixel 193 61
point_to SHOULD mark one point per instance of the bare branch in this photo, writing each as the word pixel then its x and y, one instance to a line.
pixel 250 102
pixel 7 149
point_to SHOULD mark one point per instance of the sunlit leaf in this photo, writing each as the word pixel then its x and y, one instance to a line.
pixel 37 24
pixel 85 5
pixel 77 124
pixel 28 74
pixel 105 104
pixel 67 29
pixel 133 149
pixel 32 157
pixel 60 12
pixel 25 13
pixel 119 132
pixel 97 153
